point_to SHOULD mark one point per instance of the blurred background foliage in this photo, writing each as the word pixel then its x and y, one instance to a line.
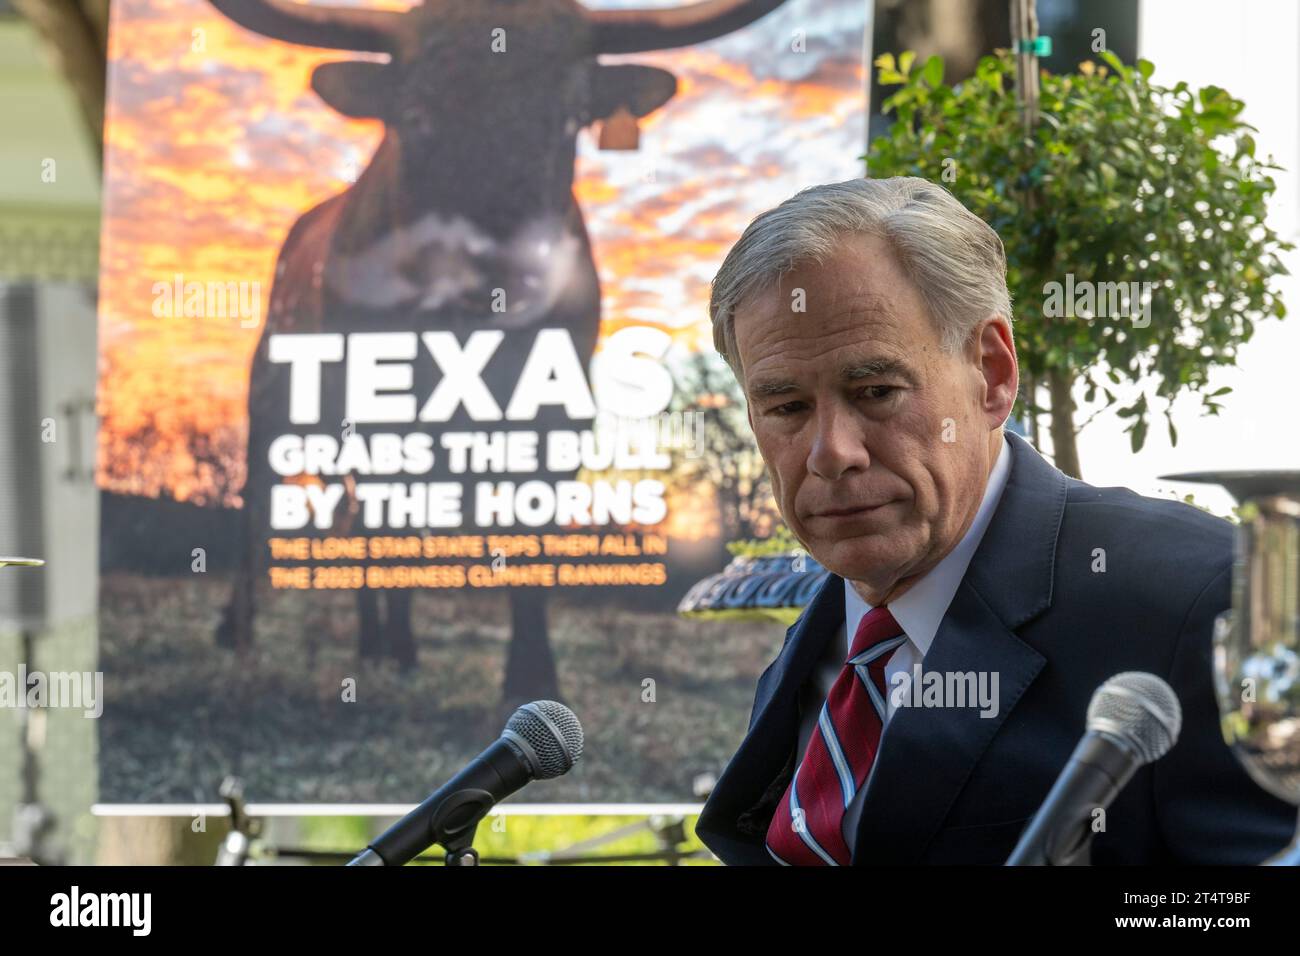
pixel 1121 180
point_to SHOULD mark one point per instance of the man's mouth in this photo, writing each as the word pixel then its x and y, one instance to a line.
pixel 846 512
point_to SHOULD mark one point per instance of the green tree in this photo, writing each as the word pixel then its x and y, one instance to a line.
pixel 1120 181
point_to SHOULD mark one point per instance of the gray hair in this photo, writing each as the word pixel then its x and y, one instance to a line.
pixel 955 259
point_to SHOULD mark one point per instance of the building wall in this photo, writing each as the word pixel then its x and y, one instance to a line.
pixel 49 225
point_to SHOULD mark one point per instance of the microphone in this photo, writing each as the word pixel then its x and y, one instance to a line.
pixel 541 740
pixel 1133 720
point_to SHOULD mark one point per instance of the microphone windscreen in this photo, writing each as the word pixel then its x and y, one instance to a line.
pixel 1139 708
pixel 554 734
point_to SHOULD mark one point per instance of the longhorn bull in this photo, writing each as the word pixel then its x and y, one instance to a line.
pixel 469 194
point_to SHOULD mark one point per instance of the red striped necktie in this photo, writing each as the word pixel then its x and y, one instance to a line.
pixel 806 828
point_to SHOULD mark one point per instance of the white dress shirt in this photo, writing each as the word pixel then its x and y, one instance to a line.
pixel 918 612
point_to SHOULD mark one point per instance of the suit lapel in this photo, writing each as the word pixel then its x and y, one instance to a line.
pixel 927 754
pixel 755 777
pixel 778 711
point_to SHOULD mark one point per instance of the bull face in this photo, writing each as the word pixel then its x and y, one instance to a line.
pixel 525 63
pixel 471 188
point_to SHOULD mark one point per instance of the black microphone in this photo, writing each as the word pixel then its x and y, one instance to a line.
pixel 541 740
pixel 1133 720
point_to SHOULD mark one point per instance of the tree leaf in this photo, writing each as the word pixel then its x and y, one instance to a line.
pixel 1114 61
pixel 1138 435
pixel 932 72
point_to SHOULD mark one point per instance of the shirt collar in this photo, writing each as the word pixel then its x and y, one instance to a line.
pixel 921 609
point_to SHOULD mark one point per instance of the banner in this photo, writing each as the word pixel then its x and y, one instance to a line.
pixel 409 406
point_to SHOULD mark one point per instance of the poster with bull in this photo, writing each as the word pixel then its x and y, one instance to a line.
pixel 409 407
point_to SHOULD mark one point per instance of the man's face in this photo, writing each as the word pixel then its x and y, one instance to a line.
pixel 878 443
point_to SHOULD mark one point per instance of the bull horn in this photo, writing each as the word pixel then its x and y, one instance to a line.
pixel 635 31
pixel 334 28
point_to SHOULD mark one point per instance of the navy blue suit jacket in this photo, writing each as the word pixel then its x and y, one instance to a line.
pixel 954 787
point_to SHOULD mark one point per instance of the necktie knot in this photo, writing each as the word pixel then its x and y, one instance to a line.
pixel 877 625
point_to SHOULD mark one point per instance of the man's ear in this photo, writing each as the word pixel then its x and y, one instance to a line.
pixel 995 355
pixel 355 88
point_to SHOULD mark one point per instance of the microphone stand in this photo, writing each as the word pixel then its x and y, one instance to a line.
pixel 457 855
pixel 1080 856
pixel 236 848
pixel 452 826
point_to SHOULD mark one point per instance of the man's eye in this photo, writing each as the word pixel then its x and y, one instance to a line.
pixel 784 410
pixel 878 391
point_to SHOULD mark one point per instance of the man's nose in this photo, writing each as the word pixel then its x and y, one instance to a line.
pixel 837 443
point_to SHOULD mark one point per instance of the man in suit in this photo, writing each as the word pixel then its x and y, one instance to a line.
pixel 869 324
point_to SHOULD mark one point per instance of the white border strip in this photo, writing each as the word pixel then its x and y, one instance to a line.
pixel 386 809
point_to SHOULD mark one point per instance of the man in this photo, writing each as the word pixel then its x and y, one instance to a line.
pixel 869 324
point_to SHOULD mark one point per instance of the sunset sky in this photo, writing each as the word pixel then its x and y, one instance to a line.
pixel 216 144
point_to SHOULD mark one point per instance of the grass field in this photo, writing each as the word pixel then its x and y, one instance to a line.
pixel 181 713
